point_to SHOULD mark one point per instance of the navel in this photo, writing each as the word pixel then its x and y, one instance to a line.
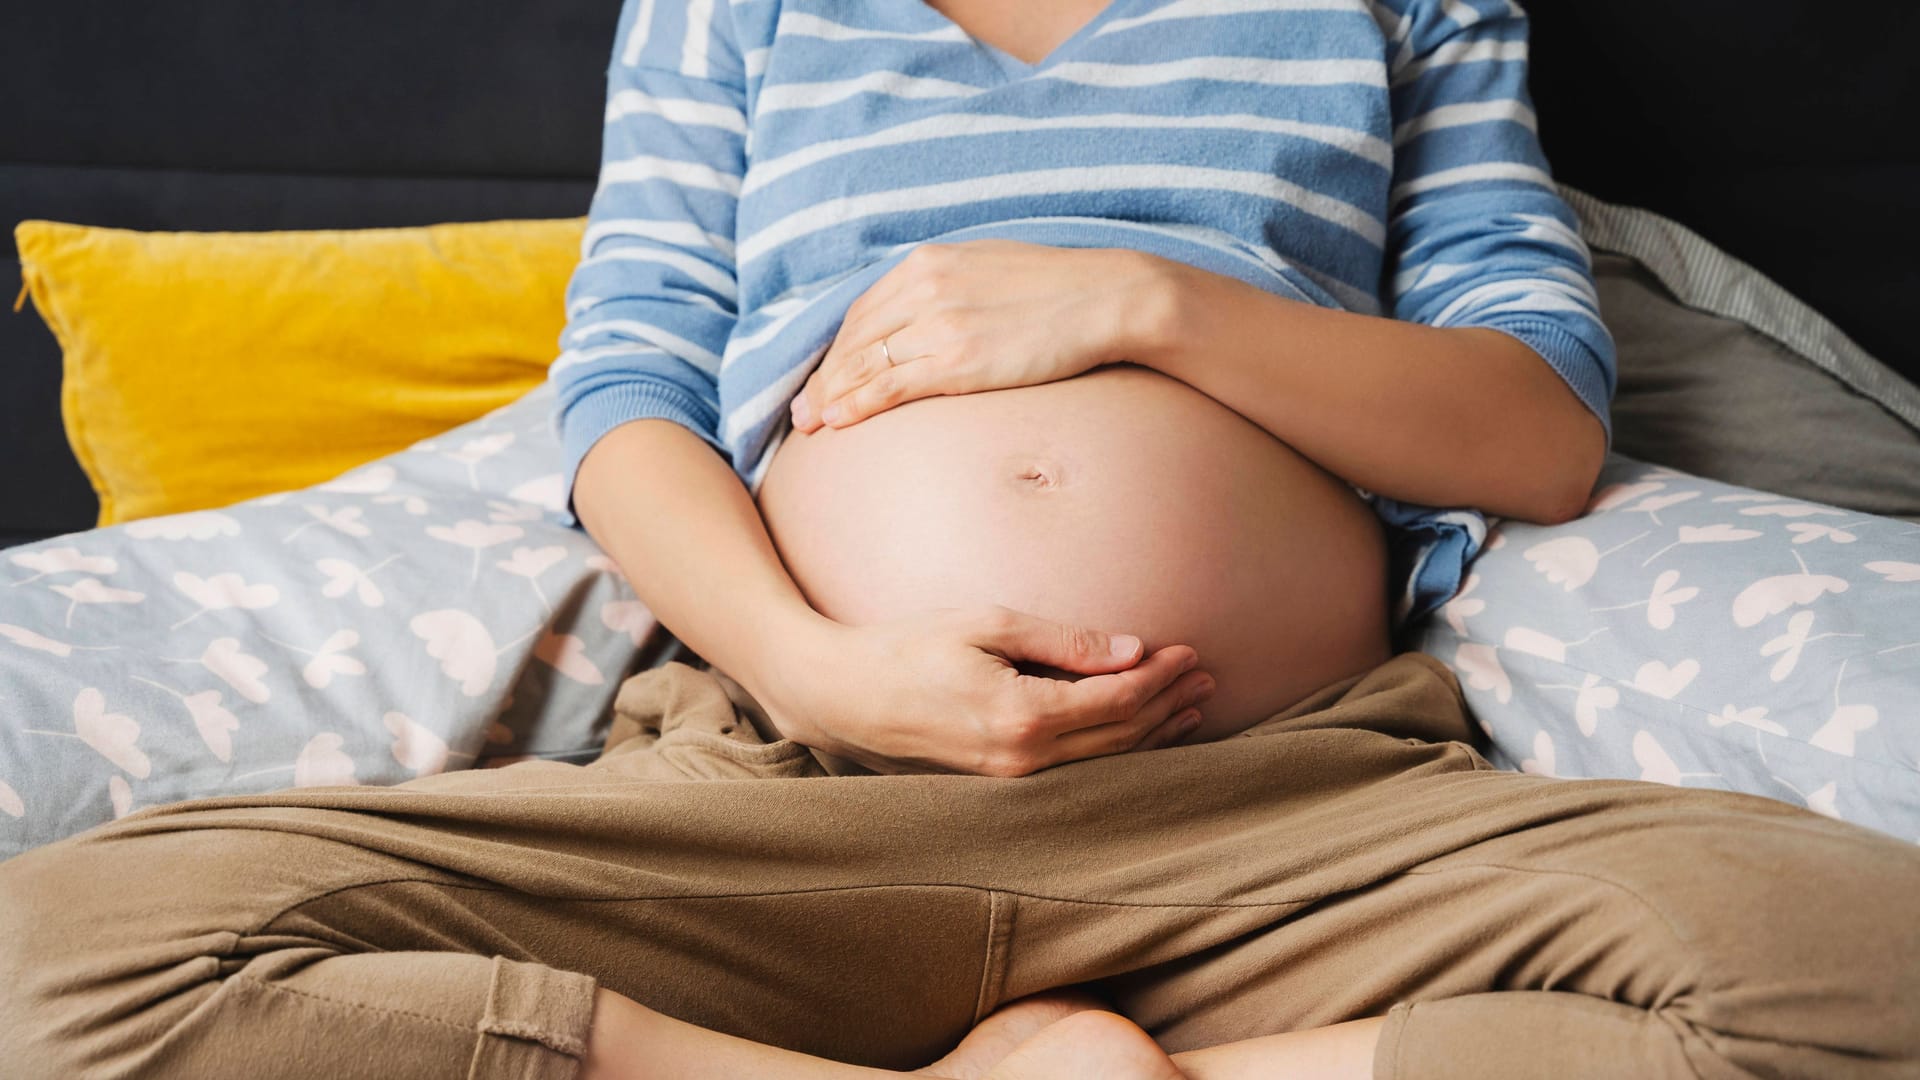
pixel 1038 474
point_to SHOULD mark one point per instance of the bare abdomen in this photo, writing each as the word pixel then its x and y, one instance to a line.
pixel 1122 499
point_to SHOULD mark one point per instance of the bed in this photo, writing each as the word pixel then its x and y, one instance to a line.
pixel 1739 608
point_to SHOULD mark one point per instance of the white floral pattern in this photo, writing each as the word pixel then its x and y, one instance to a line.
pixel 420 613
pixel 1691 632
pixel 428 612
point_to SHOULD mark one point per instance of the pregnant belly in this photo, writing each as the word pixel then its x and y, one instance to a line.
pixel 1122 500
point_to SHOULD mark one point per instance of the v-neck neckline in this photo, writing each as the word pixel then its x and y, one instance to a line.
pixel 1012 64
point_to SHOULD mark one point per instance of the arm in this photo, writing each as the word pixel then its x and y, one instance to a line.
pixel 652 302
pixel 1462 416
pixel 716 581
pixel 714 577
pixel 650 308
pixel 1449 402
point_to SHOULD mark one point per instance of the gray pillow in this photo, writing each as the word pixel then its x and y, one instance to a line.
pixel 1723 374
pixel 1693 632
pixel 423 612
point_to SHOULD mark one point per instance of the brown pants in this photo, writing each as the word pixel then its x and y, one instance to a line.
pixel 1348 858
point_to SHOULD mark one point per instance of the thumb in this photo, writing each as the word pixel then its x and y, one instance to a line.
pixel 1069 648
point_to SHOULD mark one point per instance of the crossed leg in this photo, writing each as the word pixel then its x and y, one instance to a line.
pixel 1049 1036
pixel 1344 861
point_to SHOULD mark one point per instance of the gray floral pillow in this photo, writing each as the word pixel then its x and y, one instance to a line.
pixel 424 612
pixel 428 612
pixel 1692 632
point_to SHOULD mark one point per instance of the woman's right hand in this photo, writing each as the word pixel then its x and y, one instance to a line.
pixel 939 691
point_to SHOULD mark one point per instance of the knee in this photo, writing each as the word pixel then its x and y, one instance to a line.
pixel 46 897
pixel 1804 944
pixel 88 949
pixel 43 902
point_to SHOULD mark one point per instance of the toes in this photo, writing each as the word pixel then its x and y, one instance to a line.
pixel 1006 1028
pixel 1036 1011
pixel 1094 1044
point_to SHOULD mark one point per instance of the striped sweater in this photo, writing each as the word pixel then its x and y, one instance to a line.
pixel 765 161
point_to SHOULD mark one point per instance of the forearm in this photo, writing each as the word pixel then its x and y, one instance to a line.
pixel 1436 416
pixel 682 526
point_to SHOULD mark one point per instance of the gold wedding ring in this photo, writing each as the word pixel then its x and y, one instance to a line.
pixel 887 352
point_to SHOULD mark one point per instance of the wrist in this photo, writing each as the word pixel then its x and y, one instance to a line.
pixel 1151 308
pixel 792 645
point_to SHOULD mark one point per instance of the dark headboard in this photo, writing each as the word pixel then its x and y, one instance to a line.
pixel 1768 125
pixel 236 114
pixel 1781 130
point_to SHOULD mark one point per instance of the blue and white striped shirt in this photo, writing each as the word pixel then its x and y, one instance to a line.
pixel 765 161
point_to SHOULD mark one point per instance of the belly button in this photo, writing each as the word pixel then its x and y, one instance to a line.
pixel 1038 475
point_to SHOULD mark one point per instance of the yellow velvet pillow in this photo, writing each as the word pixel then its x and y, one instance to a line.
pixel 206 368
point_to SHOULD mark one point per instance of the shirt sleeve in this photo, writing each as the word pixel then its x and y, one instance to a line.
pixel 1477 233
pixel 655 295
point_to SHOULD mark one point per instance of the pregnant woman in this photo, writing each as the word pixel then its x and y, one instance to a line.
pixel 1088 304
pixel 1037 419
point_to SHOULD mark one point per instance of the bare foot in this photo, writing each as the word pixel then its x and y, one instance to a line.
pixel 1092 1045
pixel 1007 1027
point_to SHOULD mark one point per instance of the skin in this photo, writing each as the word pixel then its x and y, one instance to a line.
pixel 1479 422
pixel 1210 534
pixel 1060 1036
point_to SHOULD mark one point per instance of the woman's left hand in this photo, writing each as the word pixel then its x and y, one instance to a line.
pixel 980 315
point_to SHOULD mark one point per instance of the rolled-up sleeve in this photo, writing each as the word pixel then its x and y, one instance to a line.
pixel 655 296
pixel 1477 234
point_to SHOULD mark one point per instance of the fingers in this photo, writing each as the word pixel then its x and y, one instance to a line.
pixel 869 320
pixel 891 386
pixel 1119 703
pixel 1181 702
pixel 1169 733
pixel 1017 635
pixel 886 289
pixel 839 375
pixel 1168 716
